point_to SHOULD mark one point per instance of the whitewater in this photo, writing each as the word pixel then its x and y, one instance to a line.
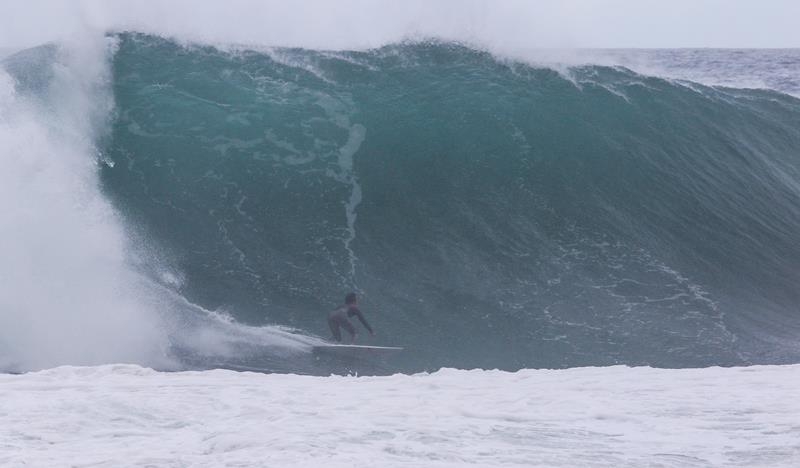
pixel 120 415
pixel 590 255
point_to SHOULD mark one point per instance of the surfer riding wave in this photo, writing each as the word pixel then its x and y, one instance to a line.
pixel 339 319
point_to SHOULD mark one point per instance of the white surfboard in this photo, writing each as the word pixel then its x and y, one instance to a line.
pixel 355 350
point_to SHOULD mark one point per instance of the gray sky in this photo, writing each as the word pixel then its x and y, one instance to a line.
pixel 687 23
pixel 500 24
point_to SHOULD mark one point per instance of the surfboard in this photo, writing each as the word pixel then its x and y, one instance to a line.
pixel 355 350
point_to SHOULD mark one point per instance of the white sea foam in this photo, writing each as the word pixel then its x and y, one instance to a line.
pixel 66 293
pixel 129 416
pixel 357 133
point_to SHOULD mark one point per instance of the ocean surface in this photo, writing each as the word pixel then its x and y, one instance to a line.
pixel 591 257
pixel 124 415
pixel 189 206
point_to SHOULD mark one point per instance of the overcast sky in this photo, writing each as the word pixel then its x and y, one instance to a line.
pixel 686 23
pixel 369 23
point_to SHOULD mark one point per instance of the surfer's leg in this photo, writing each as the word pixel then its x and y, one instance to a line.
pixel 350 329
pixel 337 334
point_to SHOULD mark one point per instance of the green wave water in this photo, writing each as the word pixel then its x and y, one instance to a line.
pixel 490 213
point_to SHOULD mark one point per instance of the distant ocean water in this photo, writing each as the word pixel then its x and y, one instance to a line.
pixel 642 208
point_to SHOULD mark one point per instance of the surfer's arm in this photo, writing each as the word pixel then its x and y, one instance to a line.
pixel 357 313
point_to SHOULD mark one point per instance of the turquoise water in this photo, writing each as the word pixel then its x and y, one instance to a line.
pixel 490 213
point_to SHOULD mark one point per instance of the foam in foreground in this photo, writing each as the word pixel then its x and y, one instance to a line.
pixel 131 416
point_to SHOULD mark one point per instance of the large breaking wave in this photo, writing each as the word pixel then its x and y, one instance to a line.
pixel 491 213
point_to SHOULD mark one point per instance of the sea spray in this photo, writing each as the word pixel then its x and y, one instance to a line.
pixel 68 295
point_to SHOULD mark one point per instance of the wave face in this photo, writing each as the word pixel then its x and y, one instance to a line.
pixel 490 213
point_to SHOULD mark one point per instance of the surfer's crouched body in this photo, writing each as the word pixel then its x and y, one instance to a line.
pixel 338 319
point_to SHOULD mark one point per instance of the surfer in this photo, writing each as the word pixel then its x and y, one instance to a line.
pixel 338 319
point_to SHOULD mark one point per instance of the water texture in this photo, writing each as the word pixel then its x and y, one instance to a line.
pixel 491 213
